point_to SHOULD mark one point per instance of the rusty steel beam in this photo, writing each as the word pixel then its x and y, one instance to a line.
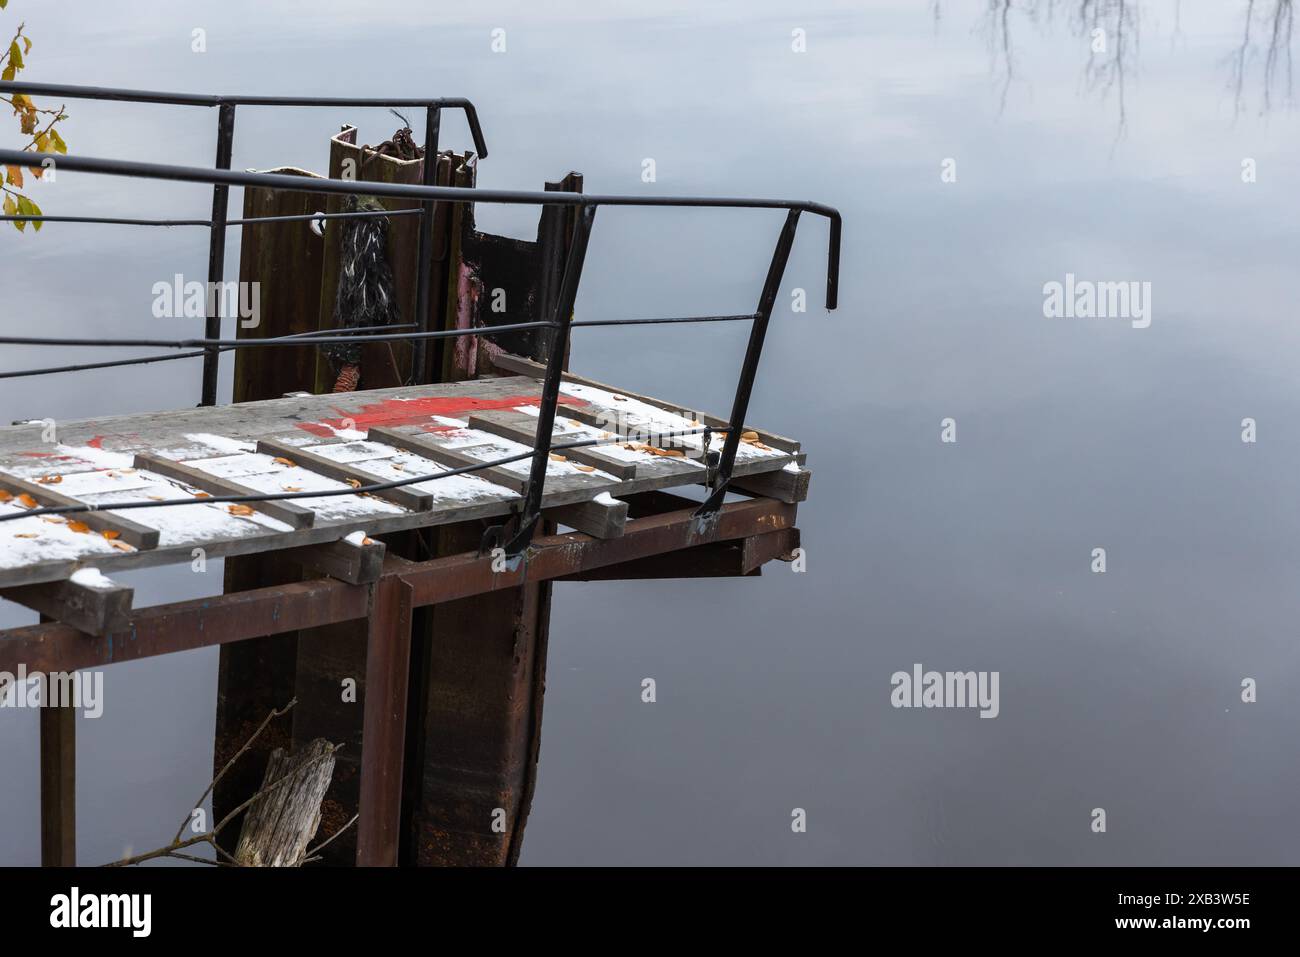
pixel 730 559
pixel 383 734
pixel 58 785
pixel 204 622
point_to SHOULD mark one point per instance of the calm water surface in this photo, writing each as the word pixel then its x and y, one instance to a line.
pixel 1119 691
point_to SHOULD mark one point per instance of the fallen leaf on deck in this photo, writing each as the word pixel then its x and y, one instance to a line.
pixel 239 509
pixel 281 460
pixel 110 534
pixel 27 500
pixel 25 535
pixel 81 528
pixel 584 468
pixel 50 479
pixel 122 546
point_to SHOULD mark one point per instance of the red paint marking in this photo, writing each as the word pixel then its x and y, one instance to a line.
pixel 97 442
pixel 392 412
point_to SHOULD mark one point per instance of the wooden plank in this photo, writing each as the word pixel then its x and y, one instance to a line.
pixel 352 563
pixel 296 516
pixel 782 485
pixel 101 445
pixel 406 497
pixel 94 609
pixel 521 366
pixel 133 533
pixel 509 426
pixel 448 457
pixel 599 519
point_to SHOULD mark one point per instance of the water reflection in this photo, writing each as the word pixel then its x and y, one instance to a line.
pixel 1111 33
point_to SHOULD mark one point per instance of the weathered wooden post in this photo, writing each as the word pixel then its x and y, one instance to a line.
pixel 476 666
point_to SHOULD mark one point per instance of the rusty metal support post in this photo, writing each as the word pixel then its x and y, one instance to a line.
pixel 563 318
pixel 383 734
pixel 217 252
pixel 749 369
pixel 58 784
pixel 424 252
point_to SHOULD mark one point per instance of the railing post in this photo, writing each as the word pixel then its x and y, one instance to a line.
pixel 217 253
pixel 748 371
pixel 424 249
pixel 532 509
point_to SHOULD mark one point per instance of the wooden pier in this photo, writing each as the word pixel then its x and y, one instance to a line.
pixel 402 539
pixel 616 497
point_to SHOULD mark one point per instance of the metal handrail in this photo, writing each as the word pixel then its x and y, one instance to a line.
pixel 225 105
pixel 222 177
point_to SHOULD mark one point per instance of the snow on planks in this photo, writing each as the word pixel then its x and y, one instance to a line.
pixel 339 441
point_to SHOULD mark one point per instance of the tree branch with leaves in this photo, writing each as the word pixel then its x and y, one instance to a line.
pixel 34 123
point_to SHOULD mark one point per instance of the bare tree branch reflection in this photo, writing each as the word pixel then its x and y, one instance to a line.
pixel 1275 22
pixel 1112 30
pixel 1113 25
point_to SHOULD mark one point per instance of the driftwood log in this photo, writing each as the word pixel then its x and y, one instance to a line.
pixel 281 822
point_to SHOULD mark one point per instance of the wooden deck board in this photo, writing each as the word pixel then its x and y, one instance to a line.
pixel 429 428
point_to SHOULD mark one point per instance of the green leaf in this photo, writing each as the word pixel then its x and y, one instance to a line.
pixel 11 208
pixel 27 208
pixel 15 55
pixel 8 73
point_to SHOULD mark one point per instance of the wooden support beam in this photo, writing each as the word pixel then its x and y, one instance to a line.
pixel 521 366
pixel 452 458
pixel 96 609
pixel 356 564
pixel 383 734
pixel 602 517
pixel 58 786
pixel 618 468
pixel 782 485
pixel 407 497
pixel 295 516
pixel 140 536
